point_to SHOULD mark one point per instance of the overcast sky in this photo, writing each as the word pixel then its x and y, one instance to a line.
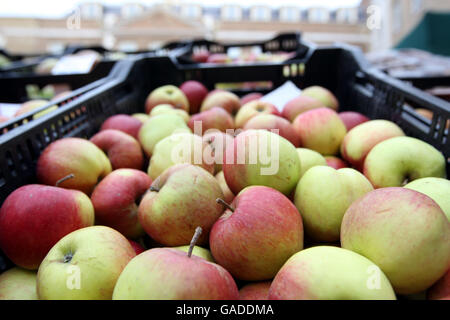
pixel 57 8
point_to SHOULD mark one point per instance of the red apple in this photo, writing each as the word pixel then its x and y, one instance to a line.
pixel 299 105
pixel 441 289
pixel 123 150
pixel 200 56
pixel 219 58
pixel 123 122
pixel 255 291
pixel 351 119
pixel 336 163
pixel 256 235
pixel 116 199
pixel 35 217
pixel 252 109
pixel 250 97
pixel 223 99
pixel 136 246
pixel 215 118
pixel 195 93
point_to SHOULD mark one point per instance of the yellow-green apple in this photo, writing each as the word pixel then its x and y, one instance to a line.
pixel 123 122
pixel 219 58
pixel 309 158
pixel 195 93
pixel 168 108
pixel 138 248
pixel 299 105
pixel 159 127
pixel 142 117
pixel 116 199
pixel 351 119
pixel 218 141
pixel 323 95
pixel 167 94
pixel 18 284
pixel 441 289
pixel 336 163
pixel 34 217
pixel 180 199
pixel 360 140
pixel 171 274
pixel 257 233
pixel 123 150
pixel 227 194
pixel 404 232
pixel 330 273
pixel 223 99
pixel 254 108
pixel 323 195
pixel 396 160
pixel 84 265
pixel 250 97
pixel 198 251
pixel 321 130
pixel 255 291
pixel 180 148
pixel 260 157
pixel 35 104
pixel 214 118
pixel 84 160
pixel 272 122
pixel 437 189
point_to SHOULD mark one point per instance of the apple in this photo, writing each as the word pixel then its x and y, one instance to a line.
pixel 167 94
pixel 84 265
pixel 195 93
pixel 168 108
pixel 437 189
pixel 223 99
pixel 257 233
pixel 260 157
pixel 35 104
pixel 214 118
pixel 218 141
pixel 18 284
pixel 34 217
pixel 228 196
pixel 180 148
pixel 321 130
pixel 158 128
pixel 330 273
pixel 352 119
pixel 198 251
pixel 271 122
pixel 360 140
pixel 171 274
pixel 250 97
pixel 396 160
pixel 116 200
pixel 309 158
pixel 441 289
pixel 200 56
pixel 142 117
pixel 255 291
pixel 252 109
pixel 123 122
pixel 404 232
pixel 123 150
pixel 221 58
pixel 138 248
pixel 181 198
pixel 336 163
pixel 80 157
pixel 300 105
pixel 323 194
pixel 323 95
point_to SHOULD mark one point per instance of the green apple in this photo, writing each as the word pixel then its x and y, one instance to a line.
pixel 437 189
pixel 323 195
pixel 323 95
pixel 159 127
pixel 84 265
pixel 18 284
pixel 35 104
pixel 142 117
pixel 330 273
pixel 180 148
pixel 167 94
pixel 309 159
pixel 168 108
pixel 394 161
pixel 198 251
pixel 404 232
pixel 227 194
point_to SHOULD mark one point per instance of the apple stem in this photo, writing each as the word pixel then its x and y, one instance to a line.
pixel 198 232
pixel 152 188
pixel 226 205
pixel 70 176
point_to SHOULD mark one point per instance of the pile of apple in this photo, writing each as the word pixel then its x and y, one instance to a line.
pixel 335 206
pixel 205 56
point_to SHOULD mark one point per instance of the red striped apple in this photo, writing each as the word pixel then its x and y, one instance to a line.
pixel 123 122
pixel 250 97
pixel 300 105
pixel 255 291
pixel 195 93
pixel 336 163
pixel 352 119
pixel 323 95
pixel 214 118
pixel 223 99
pixel 252 109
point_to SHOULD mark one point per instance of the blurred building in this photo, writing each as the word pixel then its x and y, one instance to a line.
pixel 373 25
